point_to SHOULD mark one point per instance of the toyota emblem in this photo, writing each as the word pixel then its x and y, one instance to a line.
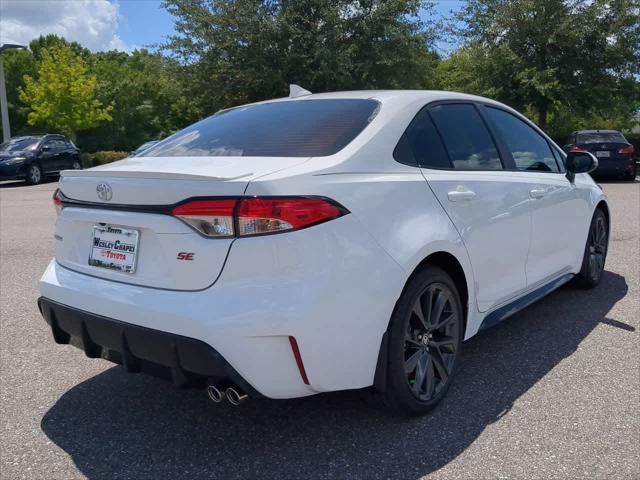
pixel 104 192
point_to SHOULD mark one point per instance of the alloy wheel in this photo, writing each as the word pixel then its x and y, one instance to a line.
pixel 431 341
pixel 76 166
pixel 35 175
pixel 597 247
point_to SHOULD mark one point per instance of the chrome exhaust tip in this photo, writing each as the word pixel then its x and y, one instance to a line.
pixel 214 393
pixel 235 397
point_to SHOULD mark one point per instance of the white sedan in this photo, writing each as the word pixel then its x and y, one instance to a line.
pixel 321 242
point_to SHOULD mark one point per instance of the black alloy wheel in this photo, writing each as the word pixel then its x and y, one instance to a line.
pixel 597 247
pixel 424 342
pixel 431 341
pixel 595 254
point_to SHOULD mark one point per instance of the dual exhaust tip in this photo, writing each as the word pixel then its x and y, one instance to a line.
pixel 233 394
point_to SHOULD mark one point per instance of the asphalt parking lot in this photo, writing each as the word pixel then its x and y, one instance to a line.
pixel 553 392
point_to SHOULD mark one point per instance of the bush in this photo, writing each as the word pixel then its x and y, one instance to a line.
pixel 100 158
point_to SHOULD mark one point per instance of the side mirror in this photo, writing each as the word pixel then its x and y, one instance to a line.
pixel 580 162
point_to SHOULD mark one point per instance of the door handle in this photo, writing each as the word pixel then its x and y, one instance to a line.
pixel 537 192
pixel 461 194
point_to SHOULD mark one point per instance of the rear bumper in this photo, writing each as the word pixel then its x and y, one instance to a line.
pixel 615 166
pixel 331 287
pixel 185 361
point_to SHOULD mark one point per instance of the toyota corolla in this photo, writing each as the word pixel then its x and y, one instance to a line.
pixel 321 242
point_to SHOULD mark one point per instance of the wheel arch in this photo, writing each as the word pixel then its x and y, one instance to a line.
pixel 452 266
pixel 602 205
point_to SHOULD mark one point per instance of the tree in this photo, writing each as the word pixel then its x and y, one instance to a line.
pixel 237 51
pixel 62 98
pixel 17 64
pixel 148 100
pixel 541 53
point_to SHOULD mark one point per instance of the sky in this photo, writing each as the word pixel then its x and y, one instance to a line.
pixel 104 24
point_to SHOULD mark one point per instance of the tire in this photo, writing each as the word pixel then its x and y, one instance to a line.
pixel 595 252
pixel 422 356
pixel 34 174
pixel 76 165
pixel 632 176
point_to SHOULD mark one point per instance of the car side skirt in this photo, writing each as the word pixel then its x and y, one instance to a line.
pixel 504 312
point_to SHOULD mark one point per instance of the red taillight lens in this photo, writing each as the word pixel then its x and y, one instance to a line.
pixel 255 216
pixel 212 218
pixel 577 149
pixel 57 201
pixel 626 150
pixel 270 215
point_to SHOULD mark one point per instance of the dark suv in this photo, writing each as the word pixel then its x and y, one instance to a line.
pixel 613 151
pixel 34 157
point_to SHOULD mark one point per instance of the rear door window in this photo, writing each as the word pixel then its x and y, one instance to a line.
pixel 298 128
pixel 421 145
pixel 529 149
pixel 466 138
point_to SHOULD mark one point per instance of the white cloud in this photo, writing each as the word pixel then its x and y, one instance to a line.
pixel 92 23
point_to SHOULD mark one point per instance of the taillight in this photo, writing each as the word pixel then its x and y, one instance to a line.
pixel 270 215
pixel 577 149
pixel 212 218
pixel 57 201
pixel 626 150
pixel 257 215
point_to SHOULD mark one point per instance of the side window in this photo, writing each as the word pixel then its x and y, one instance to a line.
pixel 466 138
pixel 51 144
pixel 529 149
pixel 421 145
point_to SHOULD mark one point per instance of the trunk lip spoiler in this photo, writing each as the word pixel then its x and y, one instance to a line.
pixel 149 175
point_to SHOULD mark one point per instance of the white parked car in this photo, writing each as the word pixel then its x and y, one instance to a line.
pixel 321 242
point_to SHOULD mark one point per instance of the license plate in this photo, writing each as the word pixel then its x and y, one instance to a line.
pixel 114 247
pixel 603 154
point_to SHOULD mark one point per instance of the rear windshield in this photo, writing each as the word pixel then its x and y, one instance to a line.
pixel 600 137
pixel 302 128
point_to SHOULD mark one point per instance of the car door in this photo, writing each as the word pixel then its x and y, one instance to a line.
pixel 66 154
pixel 559 208
pixel 50 156
pixel 490 209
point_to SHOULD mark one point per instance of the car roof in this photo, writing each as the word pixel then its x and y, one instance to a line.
pixel 41 135
pixel 383 96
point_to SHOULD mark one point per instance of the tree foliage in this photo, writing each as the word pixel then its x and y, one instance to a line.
pixel 147 96
pixel 246 50
pixel 62 97
pixel 569 63
pixel 545 53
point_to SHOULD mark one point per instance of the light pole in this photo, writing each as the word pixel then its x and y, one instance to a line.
pixel 6 131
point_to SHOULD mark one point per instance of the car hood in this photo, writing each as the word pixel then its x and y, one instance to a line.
pixel 9 155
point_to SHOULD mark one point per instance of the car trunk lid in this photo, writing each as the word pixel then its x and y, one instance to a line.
pixel 130 202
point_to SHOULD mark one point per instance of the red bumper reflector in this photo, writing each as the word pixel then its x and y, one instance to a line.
pixel 298 357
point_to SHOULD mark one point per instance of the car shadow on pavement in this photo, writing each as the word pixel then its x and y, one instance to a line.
pixel 117 425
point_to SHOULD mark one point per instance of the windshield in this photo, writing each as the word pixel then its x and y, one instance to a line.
pixel 20 144
pixel 301 128
pixel 600 137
